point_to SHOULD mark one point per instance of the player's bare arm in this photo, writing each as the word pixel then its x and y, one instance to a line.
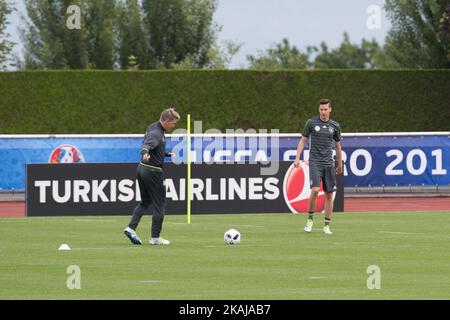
pixel 300 147
pixel 339 168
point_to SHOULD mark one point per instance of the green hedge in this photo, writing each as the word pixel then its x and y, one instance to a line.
pixel 51 102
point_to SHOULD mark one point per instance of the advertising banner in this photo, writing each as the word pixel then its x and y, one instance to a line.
pixel 369 160
pixel 112 189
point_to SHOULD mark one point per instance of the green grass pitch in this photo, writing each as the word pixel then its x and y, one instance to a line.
pixel 275 260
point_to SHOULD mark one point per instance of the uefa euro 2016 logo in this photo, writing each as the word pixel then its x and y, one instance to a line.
pixel 296 189
pixel 66 153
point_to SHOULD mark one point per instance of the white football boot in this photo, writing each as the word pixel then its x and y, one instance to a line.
pixel 309 225
pixel 159 241
pixel 327 230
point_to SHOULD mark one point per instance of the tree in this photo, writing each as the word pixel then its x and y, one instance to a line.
pixel 177 29
pixel 132 63
pixel 5 45
pixel 132 40
pixel 280 56
pixel 445 20
pixel 348 55
pixel 100 35
pixel 48 43
pixel 284 56
pixel 445 26
pixel 416 39
pixel 157 33
pixel 219 57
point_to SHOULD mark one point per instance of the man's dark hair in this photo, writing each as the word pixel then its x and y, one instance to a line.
pixel 325 101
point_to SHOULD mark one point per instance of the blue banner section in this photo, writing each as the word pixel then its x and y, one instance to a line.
pixel 373 160
pixel 397 161
pixel 15 153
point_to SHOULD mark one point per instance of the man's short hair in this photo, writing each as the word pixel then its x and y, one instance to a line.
pixel 169 114
pixel 325 101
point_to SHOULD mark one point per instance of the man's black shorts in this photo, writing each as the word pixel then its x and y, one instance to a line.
pixel 319 173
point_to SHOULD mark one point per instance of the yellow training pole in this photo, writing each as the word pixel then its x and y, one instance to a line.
pixel 188 150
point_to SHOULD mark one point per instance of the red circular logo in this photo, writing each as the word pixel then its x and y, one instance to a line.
pixel 296 189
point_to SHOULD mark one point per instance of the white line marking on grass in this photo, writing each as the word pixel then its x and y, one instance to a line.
pixel 316 278
pixel 249 225
pixel 224 245
pixel 395 232
pixel 235 245
pixel 105 249
pixel 344 243
pixel 150 281
pixel 217 224
pixel 91 248
pixel 93 220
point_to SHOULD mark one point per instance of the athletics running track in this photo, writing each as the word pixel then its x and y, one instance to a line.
pixel 360 204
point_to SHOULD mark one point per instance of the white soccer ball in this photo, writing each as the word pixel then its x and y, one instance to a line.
pixel 232 236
